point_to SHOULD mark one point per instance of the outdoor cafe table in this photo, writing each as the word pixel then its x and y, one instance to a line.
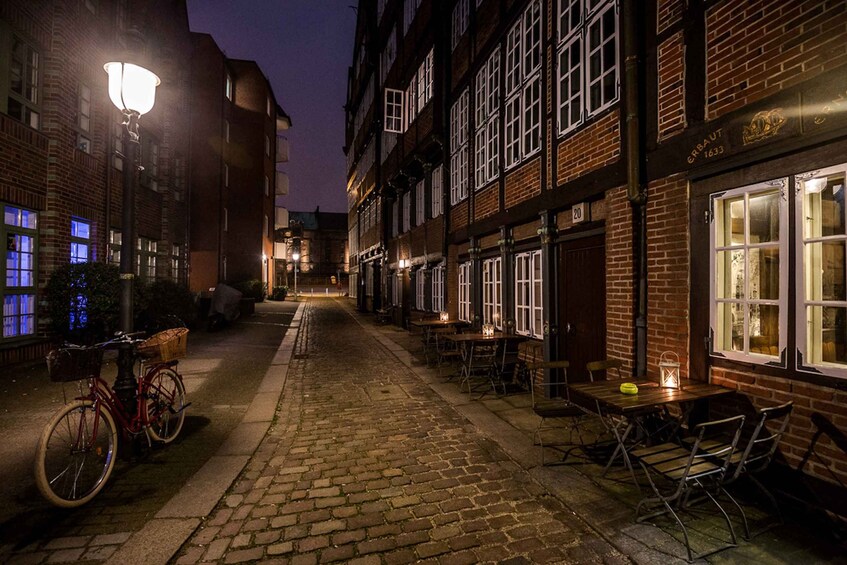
pixel 467 341
pixel 650 395
pixel 427 325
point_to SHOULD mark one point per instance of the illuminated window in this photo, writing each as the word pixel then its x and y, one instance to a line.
pixel 80 241
pixel 492 295
pixel 465 284
pixel 19 286
pixel 528 294
pixel 438 288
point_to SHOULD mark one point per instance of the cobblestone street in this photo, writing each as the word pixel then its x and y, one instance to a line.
pixel 368 464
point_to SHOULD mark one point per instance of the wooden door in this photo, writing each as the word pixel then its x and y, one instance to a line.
pixel 582 303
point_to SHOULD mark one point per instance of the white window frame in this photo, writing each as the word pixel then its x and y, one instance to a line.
pixel 459 22
pixel 438 288
pixel 464 298
pixel 420 203
pixel 529 313
pixel 809 293
pixel 487 135
pixel 715 317
pixel 492 292
pixel 523 86
pixel 437 192
pixel 576 19
pixel 420 289
pixel 459 148
pixel 115 239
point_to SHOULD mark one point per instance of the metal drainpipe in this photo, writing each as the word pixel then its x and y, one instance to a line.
pixel 635 191
pixel 446 73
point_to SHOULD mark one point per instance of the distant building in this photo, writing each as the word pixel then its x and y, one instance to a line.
pixel 235 122
pixel 321 240
pixel 61 149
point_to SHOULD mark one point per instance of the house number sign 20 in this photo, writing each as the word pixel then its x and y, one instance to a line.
pixel 580 213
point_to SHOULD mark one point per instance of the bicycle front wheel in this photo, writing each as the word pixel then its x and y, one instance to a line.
pixel 165 397
pixel 76 454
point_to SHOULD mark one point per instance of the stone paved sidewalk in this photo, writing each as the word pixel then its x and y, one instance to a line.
pixel 367 464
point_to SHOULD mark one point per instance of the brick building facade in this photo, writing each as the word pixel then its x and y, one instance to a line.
pixel 235 149
pixel 617 179
pixel 61 149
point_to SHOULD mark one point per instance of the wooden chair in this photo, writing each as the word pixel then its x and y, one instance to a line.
pixel 554 404
pixel 702 468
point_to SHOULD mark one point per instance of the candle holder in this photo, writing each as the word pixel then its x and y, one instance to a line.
pixel 669 376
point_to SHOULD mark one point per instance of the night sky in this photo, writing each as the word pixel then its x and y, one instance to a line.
pixel 304 47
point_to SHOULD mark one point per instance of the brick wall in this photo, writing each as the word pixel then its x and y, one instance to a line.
pixel 523 183
pixel 591 148
pixel 487 202
pixel 668 13
pixel 668 283
pixel 671 76
pixel 776 43
pixel 760 391
pixel 620 282
pixel 459 216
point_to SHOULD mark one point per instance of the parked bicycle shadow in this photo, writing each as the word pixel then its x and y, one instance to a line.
pixel 143 480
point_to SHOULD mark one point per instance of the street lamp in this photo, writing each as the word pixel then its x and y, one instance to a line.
pixel 133 90
pixel 296 257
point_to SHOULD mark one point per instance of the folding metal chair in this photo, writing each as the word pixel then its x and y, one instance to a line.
pixel 703 467
pixel 446 352
pixel 554 404
pixel 757 455
pixel 479 370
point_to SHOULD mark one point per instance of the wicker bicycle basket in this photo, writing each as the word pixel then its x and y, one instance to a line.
pixel 74 363
pixel 164 346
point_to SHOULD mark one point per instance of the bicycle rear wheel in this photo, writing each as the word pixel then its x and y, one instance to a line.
pixel 76 454
pixel 165 397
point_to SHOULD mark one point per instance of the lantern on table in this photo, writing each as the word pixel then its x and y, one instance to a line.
pixel 488 330
pixel 669 376
pixel 443 316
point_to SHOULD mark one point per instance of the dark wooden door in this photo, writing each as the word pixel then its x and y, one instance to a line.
pixel 582 299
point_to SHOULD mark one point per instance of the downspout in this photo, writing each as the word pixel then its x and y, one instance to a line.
pixel 446 205
pixel 635 190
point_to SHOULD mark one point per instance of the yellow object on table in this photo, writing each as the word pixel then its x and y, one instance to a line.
pixel 629 388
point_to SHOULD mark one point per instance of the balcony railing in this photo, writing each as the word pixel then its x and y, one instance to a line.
pixel 281 149
pixel 281 183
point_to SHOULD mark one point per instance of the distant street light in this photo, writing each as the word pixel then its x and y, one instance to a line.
pixel 296 257
pixel 133 90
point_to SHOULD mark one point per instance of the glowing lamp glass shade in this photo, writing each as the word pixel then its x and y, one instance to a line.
pixel 488 330
pixel 131 87
pixel 443 316
pixel 295 256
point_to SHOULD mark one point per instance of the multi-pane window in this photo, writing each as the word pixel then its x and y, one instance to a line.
pixel 523 86
pixel 424 89
pixel 394 114
pixel 487 91
pixel 459 148
pixel 23 100
pixel 146 259
pixel 420 199
pixel 176 262
pixel 83 121
pixel 80 241
pixel 420 289
pixel 461 15
pixel 118 138
pixel 822 294
pixel 437 192
pixel 492 296
pixel 115 247
pixel 407 211
pixel 19 231
pixel 528 289
pixel 438 288
pixel 588 68
pixel 465 278
pixel 749 277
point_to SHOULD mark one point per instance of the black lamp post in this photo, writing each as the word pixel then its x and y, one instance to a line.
pixel 133 90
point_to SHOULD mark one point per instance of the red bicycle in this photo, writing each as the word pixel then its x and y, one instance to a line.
pixel 77 449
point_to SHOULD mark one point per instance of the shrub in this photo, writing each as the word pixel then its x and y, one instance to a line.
pixel 84 301
pixel 279 293
pixel 253 288
pixel 166 304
